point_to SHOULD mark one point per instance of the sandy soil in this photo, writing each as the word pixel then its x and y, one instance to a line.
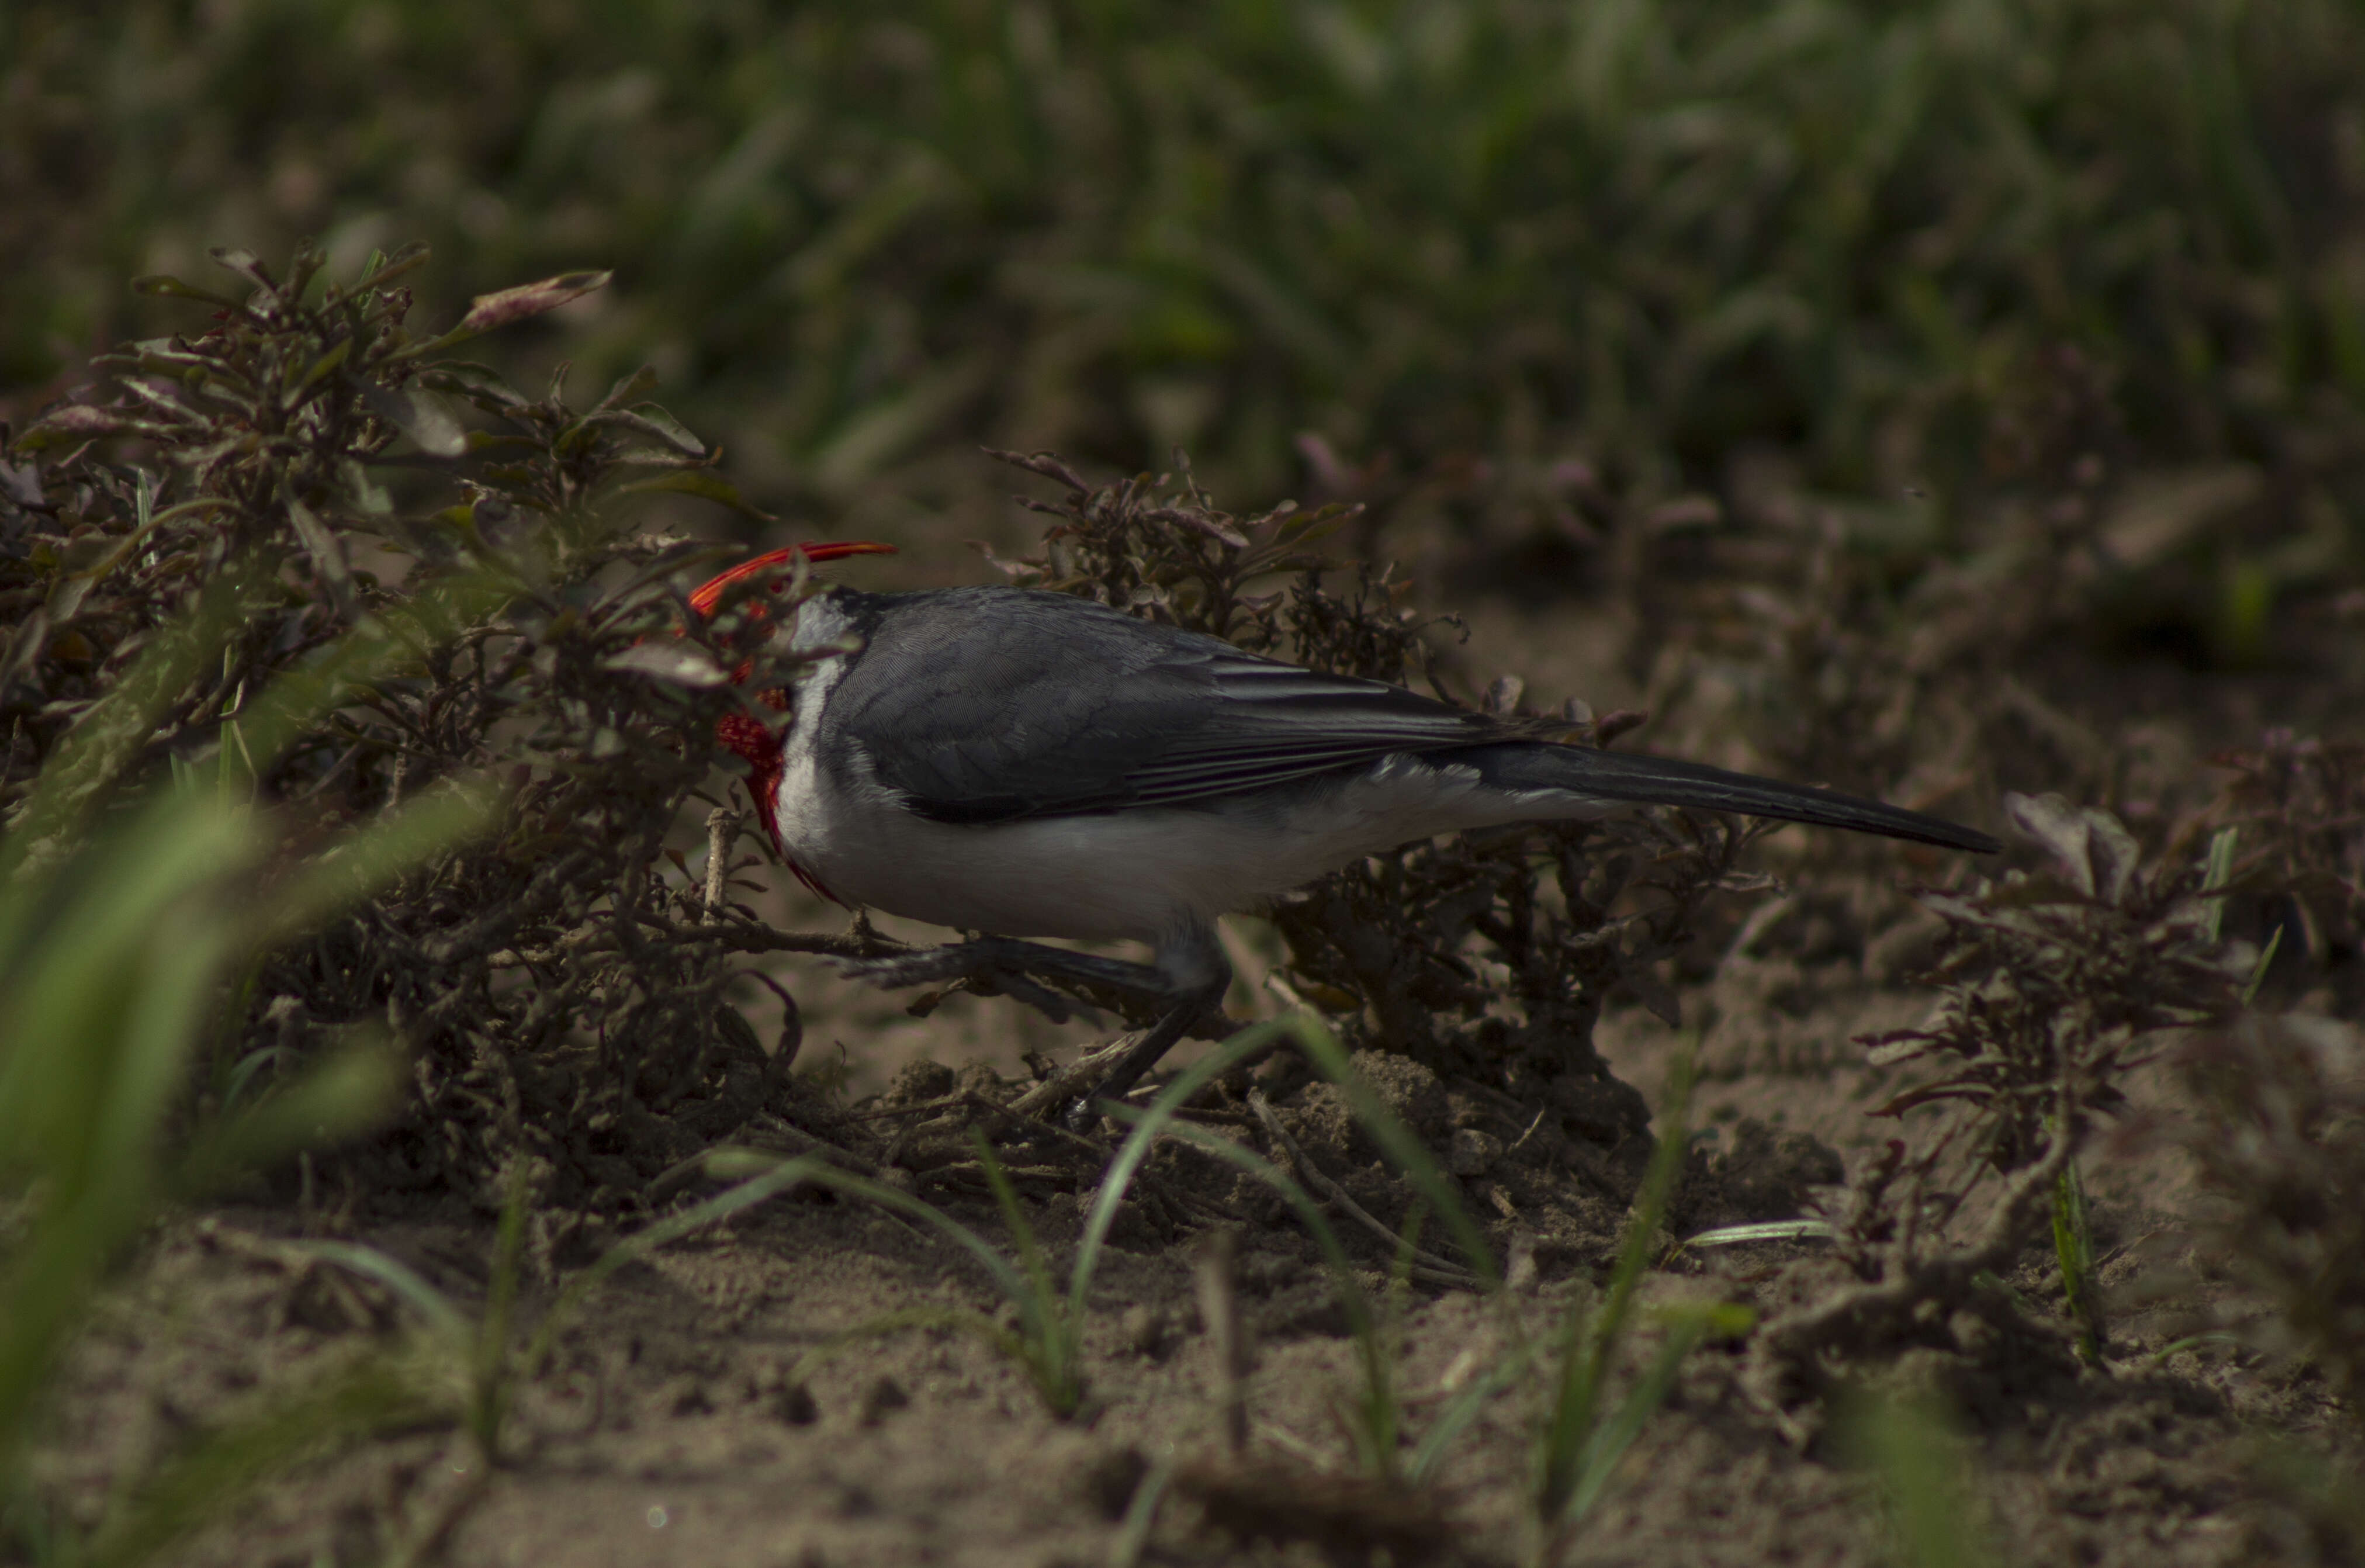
pixel 669 1428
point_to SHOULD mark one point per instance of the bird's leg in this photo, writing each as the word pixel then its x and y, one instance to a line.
pixel 1196 975
pixel 1006 964
pixel 1188 982
pixel 1146 1052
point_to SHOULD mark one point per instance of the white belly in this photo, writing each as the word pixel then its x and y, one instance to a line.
pixel 1137 874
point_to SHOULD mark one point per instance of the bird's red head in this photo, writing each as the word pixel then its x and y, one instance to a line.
pixel 744 733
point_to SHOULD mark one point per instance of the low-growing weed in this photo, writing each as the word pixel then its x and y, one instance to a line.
pixel 1905 1443
pixel 445 564
pixel 2054 985
pixel 1584 1433
pixel 128 916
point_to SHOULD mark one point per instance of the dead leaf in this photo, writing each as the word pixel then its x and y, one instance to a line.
pixel 678 663
pixel 487 311
pixel 2094 847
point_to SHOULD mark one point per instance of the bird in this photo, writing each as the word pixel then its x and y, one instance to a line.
pixel 1017 764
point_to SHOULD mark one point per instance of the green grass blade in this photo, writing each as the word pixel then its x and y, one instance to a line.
pixel 2073 1248
pixel 1686 1327
pixel 1052 1339
pixel 222 1467
pixel 1762 1230
pixel 1141 1514
pixel 777 1177
pixel 1569 1423
pixel 1905 1445
pixel 488 1371
pixel 2219 873
pixel 49 1278
pixel 1006 1198
pixel 1147 1124
pixel 1049 1348
pixel 1400 1144
pixel 1468 1401
pixel 1591 1340
pixel 380 645
pixel 1012 1283
pixel 345 1093
pixel 2193 1342
pixel 102 955
pixel 92 759
pixel 1208 1141
pixel 365 861
pixel 443 1319
pixel 1377 1421
pixel 2266 962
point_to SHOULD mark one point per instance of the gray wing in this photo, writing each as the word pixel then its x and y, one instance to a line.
pixel 983 705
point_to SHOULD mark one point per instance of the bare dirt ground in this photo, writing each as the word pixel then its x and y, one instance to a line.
pixel 669 1432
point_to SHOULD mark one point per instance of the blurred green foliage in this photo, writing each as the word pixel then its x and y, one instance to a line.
pixel 121 957
pixel 1501 242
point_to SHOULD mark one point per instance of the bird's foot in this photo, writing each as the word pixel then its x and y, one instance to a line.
pixel 1143 1054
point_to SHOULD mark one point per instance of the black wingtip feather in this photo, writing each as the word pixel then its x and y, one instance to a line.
pixel 1670 781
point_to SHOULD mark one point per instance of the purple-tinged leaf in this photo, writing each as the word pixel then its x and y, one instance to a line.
pixel 245 264
pixel 327 553
pixel 527 300
pixel 2097 852
pixel 80 420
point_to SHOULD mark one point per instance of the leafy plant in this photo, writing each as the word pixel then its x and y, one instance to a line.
pixel 245 799
pixel 2054 985
pixel 124 938
pixel 308 454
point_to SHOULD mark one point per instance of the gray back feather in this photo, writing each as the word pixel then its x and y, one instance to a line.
pixel 992 705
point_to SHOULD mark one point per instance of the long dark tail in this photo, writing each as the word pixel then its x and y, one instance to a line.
pixel 1667 781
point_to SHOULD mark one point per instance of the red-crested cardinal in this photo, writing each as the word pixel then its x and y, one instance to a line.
pixel 1017 763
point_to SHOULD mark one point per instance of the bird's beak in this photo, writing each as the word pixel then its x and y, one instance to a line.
pixel 710 593
pixel 709 597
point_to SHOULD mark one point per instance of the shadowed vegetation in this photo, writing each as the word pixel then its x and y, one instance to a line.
pixel 1960 402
